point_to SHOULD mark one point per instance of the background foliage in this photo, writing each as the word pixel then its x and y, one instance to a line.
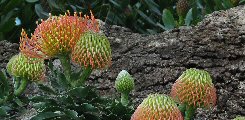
pixel 143 16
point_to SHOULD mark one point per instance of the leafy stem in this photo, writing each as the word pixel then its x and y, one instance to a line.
pixel 189 113
pixel 16 81
pixel 182 108
pixel 124 99
pixel 86 73
pixel 65 62
pixel 22 87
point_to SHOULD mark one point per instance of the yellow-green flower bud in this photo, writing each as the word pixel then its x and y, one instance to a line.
pixel 124 82
pixel 21 66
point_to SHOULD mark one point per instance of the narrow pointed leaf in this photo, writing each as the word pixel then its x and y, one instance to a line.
pixel 188 18
pixel 45 115
pixel 168 19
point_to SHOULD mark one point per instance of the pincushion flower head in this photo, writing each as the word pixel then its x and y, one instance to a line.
pixel 57 35
pixel 157 107
pixel 21 66
pixel 124 84
pixel 194 88
pixel 92 50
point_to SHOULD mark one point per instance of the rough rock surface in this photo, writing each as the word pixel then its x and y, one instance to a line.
pixel 217 44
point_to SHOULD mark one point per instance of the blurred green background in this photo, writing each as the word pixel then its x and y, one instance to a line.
pixel 142 16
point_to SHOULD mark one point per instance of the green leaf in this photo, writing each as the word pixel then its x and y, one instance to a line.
pixel 168 19
pixel 153 6
pixel 11 5
pixel 50 108
pixel 227 4
pixel 71 113
pixel 80 92
pixel 76 75
pixel 160 25
pixel 3 111
pixel 39 10
pixel 28 14
pixel 19 102
pixel 38 98
pixel 115 4
pixel 188 18
pixel 45 115
pixel 67 99
pixel 88 107
pixel 31 1
pixel 90 116
pixel 53 3
pixel 8 26
pixel 219 5
pixel 242 2
pixel 62 80
pixel 1 36
pixel 148 19
pixel 4 84
pixel 46 89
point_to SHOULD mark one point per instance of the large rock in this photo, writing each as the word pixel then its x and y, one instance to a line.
pixel 217 44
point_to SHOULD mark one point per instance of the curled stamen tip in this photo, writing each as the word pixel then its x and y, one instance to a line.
pixel 68 12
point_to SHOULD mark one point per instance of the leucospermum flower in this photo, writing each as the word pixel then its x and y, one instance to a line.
pixel 92 50
pixel 182 7
pixel 21 66
pixel 157 107
pixel 57 35
pixel 194 88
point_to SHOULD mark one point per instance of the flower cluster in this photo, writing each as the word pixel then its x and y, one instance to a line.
pixel 92 50
pixel 157 107
pixel 195 88
pixel 57 35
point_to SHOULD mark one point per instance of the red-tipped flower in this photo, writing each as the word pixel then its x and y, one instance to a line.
pixel 195 88
pixel 92 50
pixel 57 35
pixel 157 107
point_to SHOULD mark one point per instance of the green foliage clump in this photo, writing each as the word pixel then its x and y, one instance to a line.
pixel 144 16
pixel 239 118
pixel 60 101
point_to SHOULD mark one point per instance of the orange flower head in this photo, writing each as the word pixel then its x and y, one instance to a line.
pixel 21 66
pixel 194 88
pixel 57 35
pixel 157 107
pixel 92 50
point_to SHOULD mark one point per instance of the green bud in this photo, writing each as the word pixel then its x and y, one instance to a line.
pixel 21 66
pixel 124 82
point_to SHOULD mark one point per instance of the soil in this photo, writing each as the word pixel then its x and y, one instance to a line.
pixel 217 45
